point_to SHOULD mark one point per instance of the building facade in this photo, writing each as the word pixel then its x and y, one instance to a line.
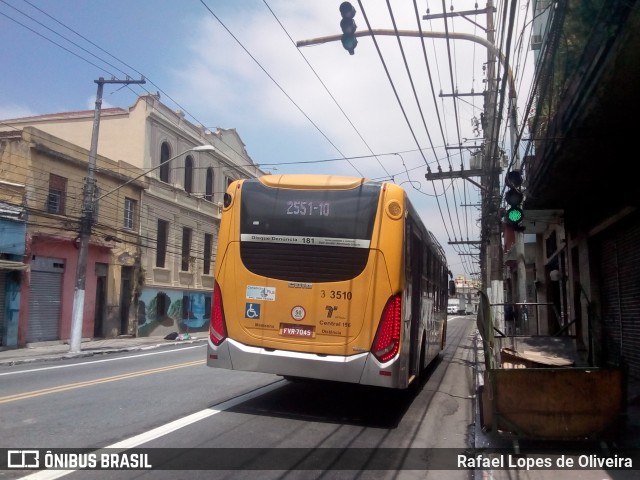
pixel 171 279
pixel 44 178
pixel 581 205
pixel 467 294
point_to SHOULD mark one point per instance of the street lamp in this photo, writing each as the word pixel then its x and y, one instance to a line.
pixel 77 318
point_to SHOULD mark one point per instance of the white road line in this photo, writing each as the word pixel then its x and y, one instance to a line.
pixel 165 429
pixel 91 362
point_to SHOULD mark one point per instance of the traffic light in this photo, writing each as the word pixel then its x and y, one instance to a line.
pixel 514 197
pixel 348 26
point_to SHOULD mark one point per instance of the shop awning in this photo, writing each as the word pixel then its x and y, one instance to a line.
pixel 10 265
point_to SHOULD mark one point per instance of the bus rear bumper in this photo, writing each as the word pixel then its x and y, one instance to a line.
pixel 362 368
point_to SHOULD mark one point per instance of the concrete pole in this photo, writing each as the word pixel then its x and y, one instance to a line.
pixel 494 257
pixel 521 267
pixel 85 230
pixel 77 316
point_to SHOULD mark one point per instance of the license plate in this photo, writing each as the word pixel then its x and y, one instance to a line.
pixel 293 330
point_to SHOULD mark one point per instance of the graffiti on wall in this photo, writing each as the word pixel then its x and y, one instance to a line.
pixel 161 312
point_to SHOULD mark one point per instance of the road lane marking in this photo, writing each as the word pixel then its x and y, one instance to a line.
pixel 98 381
pixel 91 362
pixel 162 430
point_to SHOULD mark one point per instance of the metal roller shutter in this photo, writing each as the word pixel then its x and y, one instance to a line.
pixel 44 300
pixel 619 255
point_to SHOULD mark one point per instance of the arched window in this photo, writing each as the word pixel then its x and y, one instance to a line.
pixel 208 195
pixel 188 174
pixel 165 155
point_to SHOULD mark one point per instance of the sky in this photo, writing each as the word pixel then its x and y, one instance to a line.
pixel 384 113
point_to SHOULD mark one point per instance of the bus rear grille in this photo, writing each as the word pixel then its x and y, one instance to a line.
pixel 303 263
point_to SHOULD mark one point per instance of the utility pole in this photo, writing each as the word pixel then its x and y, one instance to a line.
pixel 521 268
pixel 493 278
pixel 77 318
pixel 491 261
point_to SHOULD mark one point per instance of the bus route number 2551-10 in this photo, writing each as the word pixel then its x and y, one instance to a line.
pixel 336 294
pixel 298 207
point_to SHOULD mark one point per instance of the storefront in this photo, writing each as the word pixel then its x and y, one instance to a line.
pixel 12 242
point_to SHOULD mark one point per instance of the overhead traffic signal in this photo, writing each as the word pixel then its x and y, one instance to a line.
pixel 348 26
pixel 513 196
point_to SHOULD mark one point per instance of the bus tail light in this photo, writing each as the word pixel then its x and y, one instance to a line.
pixel 217 329
pixel 387 341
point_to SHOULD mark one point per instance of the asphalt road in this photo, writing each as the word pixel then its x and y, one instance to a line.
pixel 169 399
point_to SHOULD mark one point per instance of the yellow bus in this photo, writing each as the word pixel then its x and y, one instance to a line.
pixel 326 277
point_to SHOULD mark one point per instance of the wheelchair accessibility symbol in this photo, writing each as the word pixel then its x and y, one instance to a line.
pixel 252 310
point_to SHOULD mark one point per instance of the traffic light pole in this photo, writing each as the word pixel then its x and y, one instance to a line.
pixel 493 256
pixel 77 318
pixel 417 34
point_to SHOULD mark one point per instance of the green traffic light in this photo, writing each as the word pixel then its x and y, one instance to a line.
pixel 514 215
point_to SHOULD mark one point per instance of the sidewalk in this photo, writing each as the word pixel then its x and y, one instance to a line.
pixel 46 351
pixel 626 437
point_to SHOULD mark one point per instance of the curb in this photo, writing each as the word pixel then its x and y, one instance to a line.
pixel 46 357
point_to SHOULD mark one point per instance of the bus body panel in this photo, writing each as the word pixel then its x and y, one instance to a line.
pixel 340 316
pixel 362 368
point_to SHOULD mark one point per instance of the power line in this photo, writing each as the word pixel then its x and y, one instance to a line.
pixel 328 92
pixel 276 83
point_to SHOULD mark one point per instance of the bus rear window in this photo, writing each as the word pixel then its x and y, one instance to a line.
pixel 335 217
